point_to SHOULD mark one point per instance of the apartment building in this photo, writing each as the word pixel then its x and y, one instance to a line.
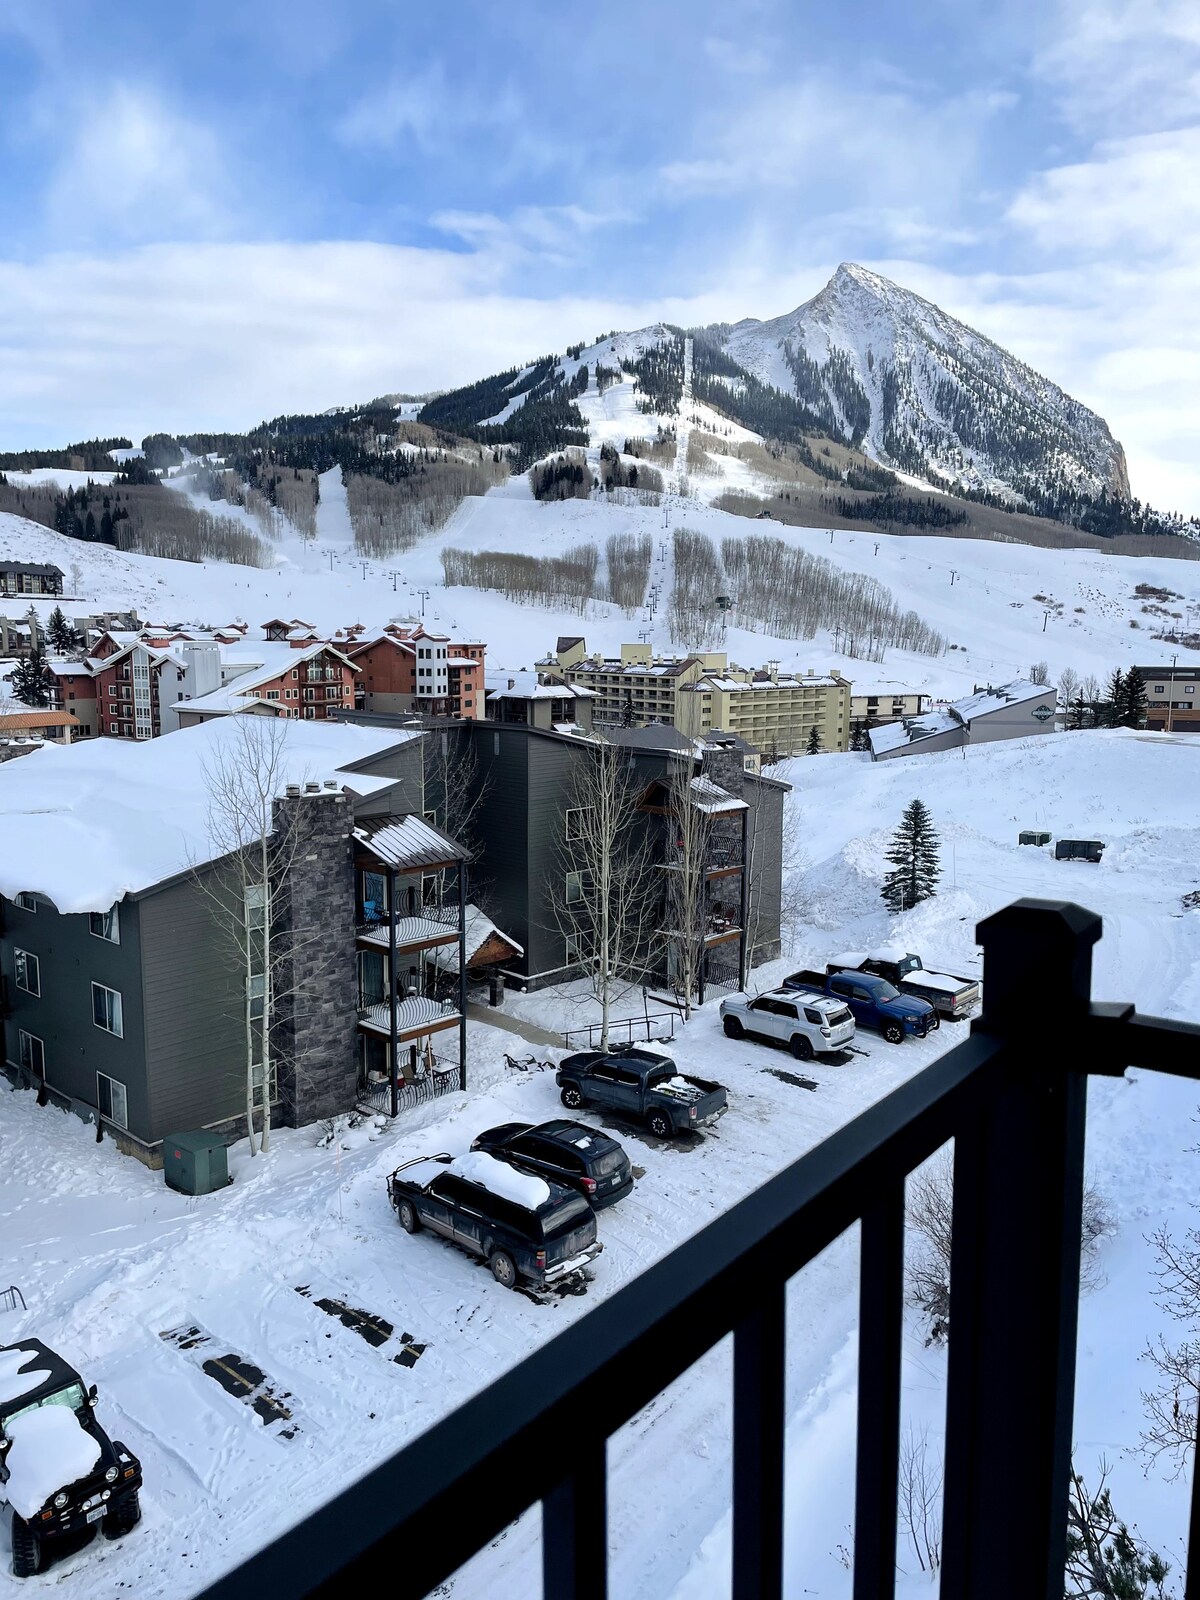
pixel 698 693
pixel 306 682
pixel 123 996
pixel 887 703
pixel 30 577
pixel 1171 696
pixel 404 668
pixel 1015 710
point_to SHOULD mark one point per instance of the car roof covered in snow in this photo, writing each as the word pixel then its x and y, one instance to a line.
pixel 29 1370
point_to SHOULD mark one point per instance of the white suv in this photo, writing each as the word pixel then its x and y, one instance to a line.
pixel 809 1024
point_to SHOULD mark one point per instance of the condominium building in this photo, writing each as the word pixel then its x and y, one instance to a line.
pixel 1171 696
pixel 887 703
pixel 772 710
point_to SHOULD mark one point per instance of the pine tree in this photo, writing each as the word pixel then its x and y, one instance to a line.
pixel 60 632
pixel 28 679
pixel 1133 700
pixel 913 859
pixel 813 748
pixel 1113 704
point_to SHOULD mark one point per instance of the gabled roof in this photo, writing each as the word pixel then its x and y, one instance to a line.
pixel 20 721
pixel 31 569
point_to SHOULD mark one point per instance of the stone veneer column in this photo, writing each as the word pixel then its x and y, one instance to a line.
pixel 317 1032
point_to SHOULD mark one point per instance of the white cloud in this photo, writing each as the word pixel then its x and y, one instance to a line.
pixel 134 169
pixel 425 108
pixel 1138 60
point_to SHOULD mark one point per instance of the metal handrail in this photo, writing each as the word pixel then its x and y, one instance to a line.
pixel 1017 1116
pixel 590 1030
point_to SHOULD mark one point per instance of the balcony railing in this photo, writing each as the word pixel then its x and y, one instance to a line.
pixel 1015 1104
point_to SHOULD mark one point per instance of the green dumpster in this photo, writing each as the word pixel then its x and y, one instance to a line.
pixel 195 1163
pixel 1033 836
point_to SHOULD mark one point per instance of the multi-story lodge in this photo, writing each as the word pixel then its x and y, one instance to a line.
pixel 698 693
pixel 887 703
pixel 404 668
pixel 29 577
pixel 123 987
pixel 1171 696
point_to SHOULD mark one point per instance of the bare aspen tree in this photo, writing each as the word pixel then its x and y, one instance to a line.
pixel 246 773
pixel 920 1499
pixel 608 898
pixel 686 877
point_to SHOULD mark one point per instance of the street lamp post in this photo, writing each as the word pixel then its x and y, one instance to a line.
pixel 424 593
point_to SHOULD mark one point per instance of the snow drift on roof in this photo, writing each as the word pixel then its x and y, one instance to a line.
pixel 102 818
pixel 50 1449
pixel 21 1372
pixel 497 1177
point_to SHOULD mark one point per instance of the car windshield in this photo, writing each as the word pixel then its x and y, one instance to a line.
pixel 71 1396
pixel 887 991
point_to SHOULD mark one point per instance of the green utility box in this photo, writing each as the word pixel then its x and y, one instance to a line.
pixel 1033 836
pixel 195 1163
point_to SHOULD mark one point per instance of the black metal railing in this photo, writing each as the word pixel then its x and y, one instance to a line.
pixel 1014 1102
pixel 658 1025
pixel 435 1078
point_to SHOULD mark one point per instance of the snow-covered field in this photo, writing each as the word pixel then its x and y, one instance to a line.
pixel 110 1260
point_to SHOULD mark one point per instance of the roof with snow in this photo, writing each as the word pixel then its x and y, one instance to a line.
pixel 524 685
pixel 409 844
pixel 956 714
pixel 479 929
pixel 31 569
pixel 710 798
pixel 20 721
pixel 261 663
pixel 88 823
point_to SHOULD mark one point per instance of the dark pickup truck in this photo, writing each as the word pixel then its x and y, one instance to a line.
pixel 873 1002
pixel 949 996
pixel 641 1086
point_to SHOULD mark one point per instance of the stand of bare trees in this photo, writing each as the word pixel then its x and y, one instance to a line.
pixel 627 557
pixel 607 898
pixel 173 528
pixel 387 517
pixel 245 888
pixel 693 616
pixel 568 582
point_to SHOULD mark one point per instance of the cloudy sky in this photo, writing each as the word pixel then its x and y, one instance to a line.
pixel 213 212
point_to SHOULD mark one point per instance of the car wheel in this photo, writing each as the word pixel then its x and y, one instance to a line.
pixel 733 1028
pixel 801 1048
pixel 26 1549
pixel 409 1220
pixel 935 1023
pixel 660 1125
pixel 123 1517
pixel 893 1033
pixel 572 1097
pixel 504 1269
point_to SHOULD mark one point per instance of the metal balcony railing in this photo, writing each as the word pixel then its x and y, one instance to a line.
pixel 1014 1100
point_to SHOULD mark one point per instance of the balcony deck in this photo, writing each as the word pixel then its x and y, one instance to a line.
pixel 412 933
pixel 415 1017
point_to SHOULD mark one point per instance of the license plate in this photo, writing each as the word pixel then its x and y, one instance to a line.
pixel 96 1514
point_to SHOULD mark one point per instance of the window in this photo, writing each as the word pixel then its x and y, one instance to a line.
pixel 256 989
pixel 576 888
pixel 1160 688
pixel 112 691
pixel 26 902
pixel 272 694
pixel 295 673
pixel 111 1099
pixel 310 712
pixel 1189 690
pixel 254 901
pixel 575 821
pixel 106 1011
pixel 33 1053
pixel 310 694
pixel 256 1085
pixel 29 972
pixel 105 925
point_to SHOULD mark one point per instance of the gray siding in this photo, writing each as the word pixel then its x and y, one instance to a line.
pixel 499 878
pixel 195 1049
pixel 766 868
pixel 71 958
pixel 405 764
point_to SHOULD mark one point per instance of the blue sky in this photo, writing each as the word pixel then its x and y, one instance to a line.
pixel 214 213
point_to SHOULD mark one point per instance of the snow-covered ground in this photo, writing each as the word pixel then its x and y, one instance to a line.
pixel 110 1260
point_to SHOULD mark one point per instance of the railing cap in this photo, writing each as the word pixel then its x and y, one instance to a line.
pixel 1048 921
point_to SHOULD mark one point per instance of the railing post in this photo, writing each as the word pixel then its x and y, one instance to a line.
pixel 1014 1279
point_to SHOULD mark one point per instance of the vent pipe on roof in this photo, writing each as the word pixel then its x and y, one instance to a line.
pixel 293 791
pixel 312 788
pixel 331 783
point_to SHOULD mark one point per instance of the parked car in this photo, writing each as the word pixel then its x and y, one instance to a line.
pixel 642 1086
pixel 873 1002
pixel 949 996
pixel 527 1229
pixel 809 1027
pixel 569 1153
pixel 59 1470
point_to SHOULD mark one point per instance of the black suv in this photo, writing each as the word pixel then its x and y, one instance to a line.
pixel 526 1229
pixel 47 1416
pixel 569 1153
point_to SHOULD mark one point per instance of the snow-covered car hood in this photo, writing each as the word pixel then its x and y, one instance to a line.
pixel 50 1449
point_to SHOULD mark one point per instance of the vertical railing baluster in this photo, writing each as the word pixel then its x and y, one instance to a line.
pixel 880 1326
pixel 758 1426
pixel 1014 1270
pixel 575 1531
pixel 1191 1589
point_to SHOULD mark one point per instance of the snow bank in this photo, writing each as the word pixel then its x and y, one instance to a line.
pixel 499 1178
pixel 89 823
pixel 17 1377
pixel 50 1449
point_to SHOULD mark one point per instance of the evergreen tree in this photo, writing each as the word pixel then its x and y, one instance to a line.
pixel 89 526
pixel 1077 713
pixel 813 748
pixel 858 737
pixel 28 679
pixel 913 859
pixel 1113 704
pixel 59 631
pixel 1133 700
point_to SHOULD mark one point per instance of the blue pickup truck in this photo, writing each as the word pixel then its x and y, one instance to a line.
pixel 873 1001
